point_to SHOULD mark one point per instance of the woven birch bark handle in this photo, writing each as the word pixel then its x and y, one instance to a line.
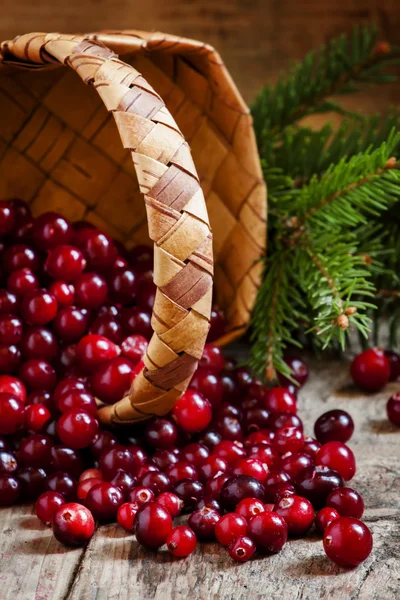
pixel 176 212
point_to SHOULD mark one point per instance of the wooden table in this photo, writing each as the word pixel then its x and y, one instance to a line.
pixel 34 566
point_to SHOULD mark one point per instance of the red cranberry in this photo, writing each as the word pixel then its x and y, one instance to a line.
pixel 192 412
pixel 347 502
pixel 22 281
pixel 316 483
pixel 104 440
pixel 46 505
pixel 255 418
pixel 126 515
pixel 277 491
pixel 189 491
pixel 70 323
pixel 36 416
pixel 229 428
pixel 11 413
pixel 347 542
pixel 244 378
pixel 157 482
pixel 12 385
pixel 339 457
pixel 10 358
pixel 231 452
pixel 242 549
pixel 161 433
pixel 111 381
pixel 298 513
pixel 73 524
pixel 38 374
pixel 394 361
pixel 203 522
pixel 38 307
pixel 20 256
pixel 279 399
pixel 141 257
pixel 90 290
pixel 123 285
pixel 164 458
pixel 32 482
pixel 238 488
pixel 275 477
pixel 181 541
pixel 66 459
pixel 63 292
pixel 8 302
pixel 268 531
pixel 212 466
pixel 252 467
pixel 7 216
pixel 393 409
pixel 51 230
pixel 65 262
pixel 217 324
pixel 334 425
pixel 104 500
pixel 195 453
pixel 299 372
pixel 230 527
pixel 77 399
pixel 229 410
pixel 152 525
pixel 181 470
pixel 311 446
pixel 284 419
pixel 109 327
pixel 10 329
pixel 124 482
pixel 212 359
pixel 85 486
pixel 293 464
pixel 230 389
pixel 141 495
pixel 288 439
pixel 94 350
pixel 370 370
pixel 8 462
pixel 114 459
pixel 214 486
pixel 62 483
pixel 134 348
pixel 249 507
pixel 265 454
pixel 171 502
pixel 98 248
pixel 10 490
pixel 209 439
pixel 324 517
pixel 146 295
pixel 39 342
pixel 140 459
pixel 136 321
pixel 209 385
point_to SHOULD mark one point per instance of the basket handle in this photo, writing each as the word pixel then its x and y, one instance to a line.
pixel 176 213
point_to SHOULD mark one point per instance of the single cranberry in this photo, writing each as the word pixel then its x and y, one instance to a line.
pixel 252 467
pixel 192 412
pixel 134 347
pixel 141 257
pixel 12 413
pixel 393 409
pixel 370 370
pixel 208 384
pixel 249 507
pixel 230 527
pixel 20 256
pixel 217 324
pixel 203 522
pixel 293 464
pixel 230 451
pixel 36 417
pixel 65 386
pixel 288 439
pixel 152 525
pixel 230 389
pixel 195 453
pixel 164 458
pixel 181 470
pixel 65 262
pixel 111 381
pixel 214 486
pixel 284 419
pixel 229 428
pixel 124 482
pixel 22 211
pixel 347 502
pixel 212 466
pixel 73 524
pixel 22 281
pixel 279 399
pixel 38 307
pixel 311 446
pixel 242 549
pixel 299 372
pixel 161 434
pixel 77 399
pixel 10 359
pixel 238 488
pixel 66 459
pixel 244 378
pixel 10 489
pixel 90 290
pixel 189 491
pixel 212 359
pixel 298 513
pixel 63 292
pixel 38 374
pixel 316 483
pixel 141 495
pixel 126 515
pixel 268 531
pixel 277 491
pixel 46 505
pixel 8 463
pixel 339 457
pixel 146 294
pixel 85 486
pixel 394 361
pixel 7 216
pixel 210 439
pixel 156 481
pixel 266 454
pixel 255 418
pixel 104 500
pixel 229 410
pixel 115 458
pixel 51 230
pixel 324 517
pixel 334 425
pixel 181 541
pixel 39 342
pixel 123 285
pixel 104 440
pixel 70 323
pixel 274 477
pixel 140 459
pixel 8 302
pixel 109 327
pixel 94 350
pixel 98 248
pixel 347 542
pixel 10 329
pixel 171 502
pixel 62 483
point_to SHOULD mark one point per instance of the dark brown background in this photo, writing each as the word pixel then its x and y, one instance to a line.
pixel 256 38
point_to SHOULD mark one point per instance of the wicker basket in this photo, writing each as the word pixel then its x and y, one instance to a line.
pixel 61 150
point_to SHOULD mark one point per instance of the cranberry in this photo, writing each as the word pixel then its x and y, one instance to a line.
pixel 51 230
pixel 135 320
pixel 38 307
pixel 161 433
pixel 212 466
pixel 298 513
pixel 152 525
pixel 209 439
pixel 146 295
pixel 229 451
pixel 252 467
pixel 279 399
pixel 65 262
pixel 109 327
pixel 123 285
pixel 140 459
pixel 284 419
pixel 114 459
pixel 35 451
pixel 265 454
pixel 249 507
pixel 347 502
pixel 111 381
pixel 214 486
pixel 339 457
pixel 217 324
pixel 104 440
pixel 277 491
pixel 156 481
pixel 70 323
pixel 288 439
pixel 90 290
pixel 242 549
pixel 85 486
pixel 229 410
pixel 134 347
pixel 274 477
pixel 212 359
pixel 66 459
pixel 299 372
pixel 189 491
pixel 73 524
pixel 141 495
pixel 181 470
pixel 19 257
pixel 39 342
pixel 195 453
pixel 63 292
pixel 8 463
pixel 229 428
pixel 10 358
pixel 268 531
pixel 10 490
pixel 32 482
pixel 94 350
pixel 230 389
pixel 7 216
pixel 311 446
pixel 209 385
pixel 393 409
pixel 164 458
pixel 10 329
pixel 124 482
pixel 293 464
pixel 324 517
pixel 8 302
pixel 141 257
pixel 126 515
pixel 98 248
pixel 90 474
pixel 238 488
pixel 36 416
pixel 77 399
pixel 171 502
pixel 62 483
pixel 11 413
pixel 104 500
pixel 21 210
pixel 394 361
pixel 316 483
pixel 46 505
pixel 347 542
pixel 244 378
pixel 334 425
pixel 22 281
pixel 181 541
pixel 229 528
pixel 203 522
pixel 370 370
pixel 38 374
pixel 65 386
pixel 192 412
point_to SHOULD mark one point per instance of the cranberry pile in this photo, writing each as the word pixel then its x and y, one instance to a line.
pixel 75 312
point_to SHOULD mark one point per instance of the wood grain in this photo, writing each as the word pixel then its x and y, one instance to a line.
pixel 113 567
